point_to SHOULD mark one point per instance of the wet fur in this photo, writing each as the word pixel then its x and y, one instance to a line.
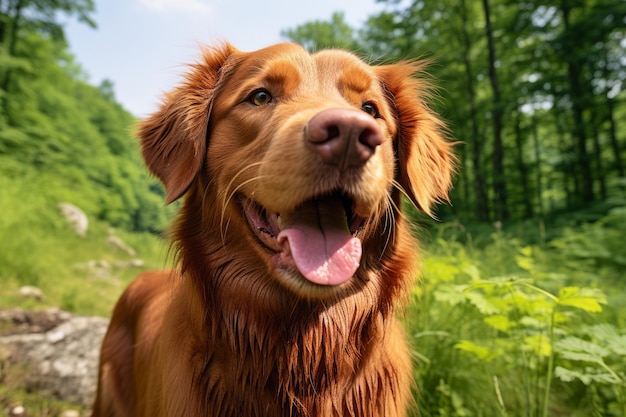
pixel 224 334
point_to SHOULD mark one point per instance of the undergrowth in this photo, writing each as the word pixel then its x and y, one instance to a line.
pixel 511 329
pixel 501 324
pixel 38 248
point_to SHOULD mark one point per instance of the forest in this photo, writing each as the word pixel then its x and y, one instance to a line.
pixel 60 135
pixel 521 306
pixel 531 89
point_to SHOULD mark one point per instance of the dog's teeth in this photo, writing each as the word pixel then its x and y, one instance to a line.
pixel 279 221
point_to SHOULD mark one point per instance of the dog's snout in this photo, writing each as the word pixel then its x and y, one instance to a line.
pixel 343 137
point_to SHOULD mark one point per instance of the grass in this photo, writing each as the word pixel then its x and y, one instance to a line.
pixel 501 327
pixel 523 322
pixel 33 403
pixel 83 275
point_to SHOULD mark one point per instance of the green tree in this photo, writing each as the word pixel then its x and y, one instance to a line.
pixel 78 137
pixel 319 34
pixel 19 17
pixel 543 136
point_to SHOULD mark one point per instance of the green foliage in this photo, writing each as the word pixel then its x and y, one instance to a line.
pixel 559 69
pixel 41 16
pixel 63 140
pixel 319 34
pixel 534 337
pixel 35 404
pixel 39 248
pixel 77 137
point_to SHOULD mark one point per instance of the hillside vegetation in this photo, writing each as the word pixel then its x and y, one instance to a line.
pixel 64 140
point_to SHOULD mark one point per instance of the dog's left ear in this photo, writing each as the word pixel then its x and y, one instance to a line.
pixel 425 157
pixel 173 140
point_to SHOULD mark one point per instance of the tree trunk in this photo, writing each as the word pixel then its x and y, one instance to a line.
pixel 482 203
pixel 3 24
pixel 617 155
pixel 565 151
pixel 538 173
pixel 577 96
pixel 597 155
pixel 501 209
pixel 523 169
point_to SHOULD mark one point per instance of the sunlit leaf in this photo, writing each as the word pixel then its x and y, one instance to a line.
pixel 539 344
pixel 533 322
pixel 574 348
pixel 480 352
pixel 526 251
pixel 537 305
pixel 618 345
pixel 472 271
pixel 482 303
pixel 431 334
pixel 586 299
pixel 440 270
pixel 499 322
pixel 602 331
pixel 451 294
pixel 589 376
pixel 525 260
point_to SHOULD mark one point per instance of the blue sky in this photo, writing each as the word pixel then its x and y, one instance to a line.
pixel 143 45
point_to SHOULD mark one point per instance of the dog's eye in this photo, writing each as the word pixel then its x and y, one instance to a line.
pixel 260 97
pixel 371 109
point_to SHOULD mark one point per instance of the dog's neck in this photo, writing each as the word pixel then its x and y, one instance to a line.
pixel 306 357
pixel 306 365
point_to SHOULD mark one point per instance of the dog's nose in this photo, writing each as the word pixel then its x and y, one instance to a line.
pixel 343 137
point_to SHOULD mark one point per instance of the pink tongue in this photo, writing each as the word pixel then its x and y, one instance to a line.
pixel 316 240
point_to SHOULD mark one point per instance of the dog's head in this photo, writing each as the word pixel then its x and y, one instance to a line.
pixel 309 152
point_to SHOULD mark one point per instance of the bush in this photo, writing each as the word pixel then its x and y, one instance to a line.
pixel 513 330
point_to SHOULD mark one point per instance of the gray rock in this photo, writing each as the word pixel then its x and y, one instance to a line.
pixel 60 361
pixel 28 291
pixel 118 243
pixel 132 263
pixel 76 217
pixel 17 411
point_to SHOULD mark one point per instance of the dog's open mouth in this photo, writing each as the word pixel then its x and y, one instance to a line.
pixel 318 238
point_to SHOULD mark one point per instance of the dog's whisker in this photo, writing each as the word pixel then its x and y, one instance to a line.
pixel 400 188
pixel 389 219
pixel 224 207
pixel 227 197
pixel 225 201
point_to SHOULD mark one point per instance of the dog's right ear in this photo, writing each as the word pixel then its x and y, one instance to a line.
pixel 174 139
pixel 425 156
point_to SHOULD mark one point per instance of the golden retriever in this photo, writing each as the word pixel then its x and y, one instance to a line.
pixel 292 251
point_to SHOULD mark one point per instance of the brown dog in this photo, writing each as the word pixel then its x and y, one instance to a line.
pixel 292 249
